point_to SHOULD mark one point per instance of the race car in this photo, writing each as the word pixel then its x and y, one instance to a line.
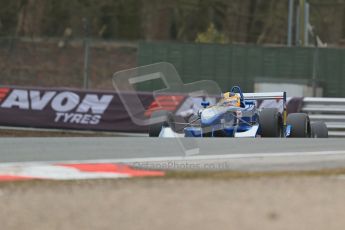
pixel 236 115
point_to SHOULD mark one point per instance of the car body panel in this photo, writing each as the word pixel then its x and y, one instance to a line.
pixel 230 120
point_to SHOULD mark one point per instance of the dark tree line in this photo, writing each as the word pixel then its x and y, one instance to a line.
pixel 249 21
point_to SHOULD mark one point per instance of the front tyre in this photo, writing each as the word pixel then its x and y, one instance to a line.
pixel 155 129
pixel 271 123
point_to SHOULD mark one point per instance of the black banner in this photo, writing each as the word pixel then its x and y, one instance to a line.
pixel 66 109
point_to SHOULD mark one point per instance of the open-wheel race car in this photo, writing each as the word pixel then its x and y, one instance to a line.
pixel 236 115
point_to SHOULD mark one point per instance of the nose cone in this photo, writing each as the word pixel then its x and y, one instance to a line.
pixel 210 115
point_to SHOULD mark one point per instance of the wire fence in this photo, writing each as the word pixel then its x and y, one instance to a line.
pixel 54 62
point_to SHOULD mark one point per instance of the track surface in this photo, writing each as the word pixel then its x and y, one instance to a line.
pixel 215 154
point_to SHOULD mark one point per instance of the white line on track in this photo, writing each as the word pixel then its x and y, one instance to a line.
pixel 186 158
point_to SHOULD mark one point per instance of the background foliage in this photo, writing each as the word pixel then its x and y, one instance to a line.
pixel 244 21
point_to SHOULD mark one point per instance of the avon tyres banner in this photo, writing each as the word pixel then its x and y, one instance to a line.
pixel 66 109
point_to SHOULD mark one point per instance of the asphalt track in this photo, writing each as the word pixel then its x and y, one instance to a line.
pixel 158 153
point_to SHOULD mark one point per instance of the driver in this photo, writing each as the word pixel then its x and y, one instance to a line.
pixel 231 99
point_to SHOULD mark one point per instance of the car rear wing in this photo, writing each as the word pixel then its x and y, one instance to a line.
pixel 269 96
pixel 265 96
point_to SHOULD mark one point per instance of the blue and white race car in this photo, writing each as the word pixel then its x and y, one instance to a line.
pixel 236 115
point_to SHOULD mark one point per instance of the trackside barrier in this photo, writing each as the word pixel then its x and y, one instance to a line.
pixel 329 110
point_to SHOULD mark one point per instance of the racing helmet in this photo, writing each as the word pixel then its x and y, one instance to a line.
pixel 232 99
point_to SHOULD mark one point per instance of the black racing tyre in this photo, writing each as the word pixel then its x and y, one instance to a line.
pixel 207 131
pixel 300 125
pixel 319 130
pixel 155 129
pixel 271 123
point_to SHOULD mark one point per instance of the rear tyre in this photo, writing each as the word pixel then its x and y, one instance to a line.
pixel 155 129
pixel 300 125
pixel 319 130
pixel 271 123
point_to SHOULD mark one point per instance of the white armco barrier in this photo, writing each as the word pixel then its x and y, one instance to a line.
pixel 329 110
